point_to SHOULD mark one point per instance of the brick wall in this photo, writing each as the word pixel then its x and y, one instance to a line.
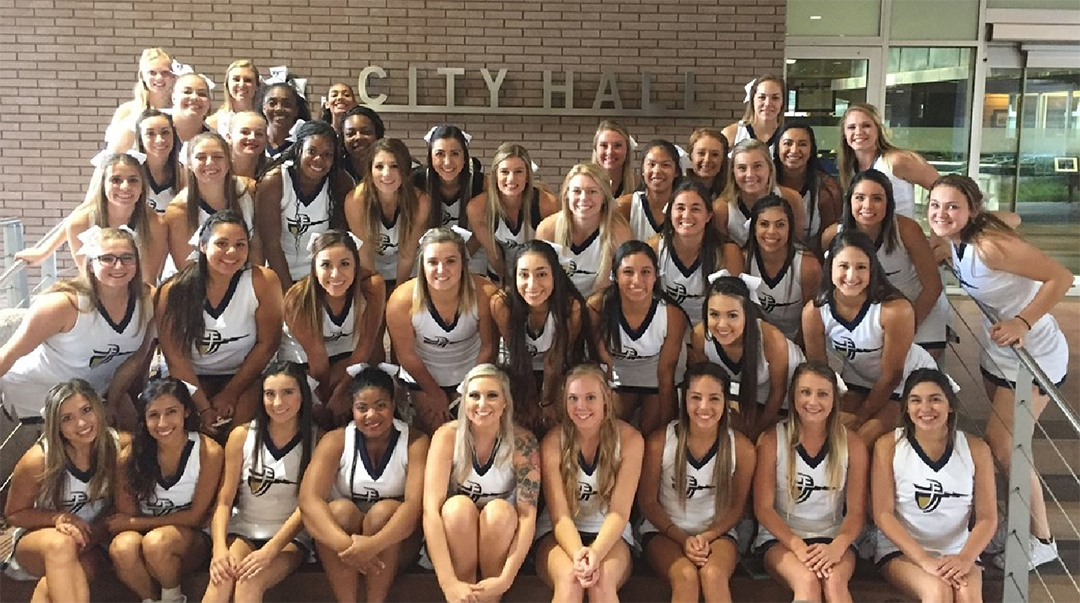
pixel 67 64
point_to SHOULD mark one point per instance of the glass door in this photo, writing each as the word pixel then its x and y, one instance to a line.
pixel 823 81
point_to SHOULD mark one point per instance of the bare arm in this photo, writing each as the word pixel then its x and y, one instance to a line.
pixel 912 167
pixel 765 494
pixel 665 373
pixel 813 331
pixel 622 497
pixel 268 223
pixel 52 314
pixel 436 481
pixel 898 323
pixel 742 481
pixel 922 258
pixel 315 490
pixel 268 321
pixel 883 496
pixel 482 231
pixel 776 354
pixel 858 472
pixel 489 340
pixel 211 460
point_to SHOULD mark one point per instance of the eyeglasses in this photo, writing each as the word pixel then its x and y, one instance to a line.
pixel 108 259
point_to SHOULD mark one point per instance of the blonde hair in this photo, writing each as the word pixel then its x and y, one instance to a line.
pixel 226 101
pixel 194 197
pixel 407 196
pixel 98 201
pixel 466 289
pixel 750 145
pixel 463 438
pixel 493 208
pixel 608 216
pixel 103 452
pixel 627 183
pixel 139 91
pixel 723 177
pixel 835 437
pixel 846 162
pixel 607 457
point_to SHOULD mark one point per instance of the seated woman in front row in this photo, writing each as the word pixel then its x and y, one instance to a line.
pixel 361 497
pixel 480 492
pixel 59 490
pixel 694 484
pixel 591 463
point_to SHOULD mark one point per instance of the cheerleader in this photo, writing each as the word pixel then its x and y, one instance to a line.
pixel 480 492
pixel 220 323
pixel 361 127
pixel 340 99
pixel 237 95
pixel 689 248
pixel 810 491
pixel 155 137
pixel 789 274
pixel 95 327
pixel 504 217
pixel 440 325
pixel 361 496
pixel 928 480
pixel 300 197
pixel 870 326
pixel 190 105
pixel 644 210
pixel 641 336
pixel 864 145
pixel 753 176
pixel 544 327
pixel 588 227
pixel 212 186
pixel 118 198
pixel 247 144
pixel 799 169
pixel 754 353
pixel 387 213
pixel 590 466
pixel 331 317
pixel 283 106
pixel 170 477
pixel 903 251
pixel 153 90
pixel 59 489
pixel 695 480
pixel 613 148
pixel 1021 285
pixel 256 529
pixel 451 176
pixel 709 161
pixel 766 102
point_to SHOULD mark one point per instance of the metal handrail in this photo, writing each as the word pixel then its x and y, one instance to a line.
pixel 13 270
pixel 1044 382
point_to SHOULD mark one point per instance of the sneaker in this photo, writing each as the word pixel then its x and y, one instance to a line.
pixel 1039 553
pixel 866 543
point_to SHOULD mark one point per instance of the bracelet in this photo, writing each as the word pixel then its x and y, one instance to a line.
pixel 1024 320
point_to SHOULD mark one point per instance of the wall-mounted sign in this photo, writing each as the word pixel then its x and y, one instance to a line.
pixel 558 95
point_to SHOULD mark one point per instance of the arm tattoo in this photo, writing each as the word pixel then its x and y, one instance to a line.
pixel 527 469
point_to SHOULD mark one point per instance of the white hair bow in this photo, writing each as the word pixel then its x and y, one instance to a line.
pixel 292 131
pixel 749 88
pixel 685 163
pixel 431 132
pixel 535 168
pixel 104 154
pixel 560 252
pixel 182 155
pixel 633 144
pixel 315 239
pixel 280 75
pixel 752 282
pixel 191 389
pixel 841 386
pixel 389 369
pixel 179 68
pixel 91 240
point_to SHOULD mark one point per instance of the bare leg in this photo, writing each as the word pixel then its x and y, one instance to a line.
pixel 556 569
pixel 915 582
pixel 783 565
pixel 716 573
pixel 667 559
pixel 344 580
pixel 614 571
pixel 55 556
pixel 127 557
pixel 461 523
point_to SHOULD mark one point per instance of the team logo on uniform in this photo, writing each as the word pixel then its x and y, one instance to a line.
pixel 300 223
pixel 110 353
pixel 259 481
pixel 626 354
pixel 336 336
pixel 572 269
pixel 847 348
pixel 585 491
pixel 439 342
pixel 930 495
pixel 768 303
pixel 887 273
pixel 446 218
pixel 678 292
pixel 368 495
pixel 384 243
pixel 164 506
pixel 692 486
pixel 212 341
pixel 471 489
pixel 805 486
pixel 76 501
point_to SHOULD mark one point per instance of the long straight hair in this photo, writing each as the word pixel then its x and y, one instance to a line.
pixel 194 197
pixel 226 96
pixel 407 198
pixel 753 248
pixel 142 470
pixel 87 283
pixel 846 161
pixel 469 180
pixel 890 235
pixel 835 437
pixel 981 221
pixel 464 445
pixel 99 200
pixel 626 181
pixel 748 113
pixel 815 174
pixel 140 92
pixel 712 240
pixel 878 290
pixel 103 452
pixel 611 301
pixel 172 162
pixel 466 289
pixel 607 457
pixel 725 454
pixel 734 287
pixel 751 145
pixel 305 424
pixel 494 209
pixel 940 379
pixel 609 217
pixel 305 300
pixel 720 181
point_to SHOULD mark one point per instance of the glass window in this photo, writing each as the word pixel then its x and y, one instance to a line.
pixel 922 20
pixel 927 104
pixel 823 89
pixel 1031 4
pixel 833 17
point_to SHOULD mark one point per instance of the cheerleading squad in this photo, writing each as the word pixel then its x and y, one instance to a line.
pixel 658 346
